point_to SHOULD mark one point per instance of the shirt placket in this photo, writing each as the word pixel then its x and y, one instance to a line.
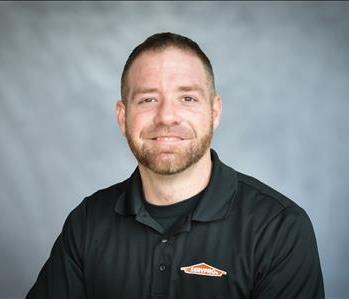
pixel 161 268
pixel 162 260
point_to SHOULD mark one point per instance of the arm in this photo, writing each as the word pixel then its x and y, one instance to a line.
pixel 288 263
pixel 62 275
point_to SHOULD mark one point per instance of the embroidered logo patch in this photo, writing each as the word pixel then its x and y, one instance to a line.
pixel 203 269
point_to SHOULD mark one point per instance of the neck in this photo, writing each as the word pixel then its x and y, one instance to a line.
pixel 169 189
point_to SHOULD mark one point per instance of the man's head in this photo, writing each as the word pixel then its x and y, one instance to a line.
pixel 158 42
pixel 169 108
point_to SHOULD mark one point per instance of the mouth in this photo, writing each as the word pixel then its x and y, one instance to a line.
pixel 167 138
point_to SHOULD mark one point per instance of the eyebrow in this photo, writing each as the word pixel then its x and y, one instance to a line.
pixel 194 87
pixel 142 90
pixel 184 88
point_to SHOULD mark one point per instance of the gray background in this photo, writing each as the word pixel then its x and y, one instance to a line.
pixel 281 67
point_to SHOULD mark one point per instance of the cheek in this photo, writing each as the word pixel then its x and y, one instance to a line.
pixel 135 123
pixel 200 120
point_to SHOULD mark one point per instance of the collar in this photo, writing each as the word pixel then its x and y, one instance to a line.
pixel 215 203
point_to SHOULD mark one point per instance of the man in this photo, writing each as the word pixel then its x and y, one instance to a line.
pixel 184 225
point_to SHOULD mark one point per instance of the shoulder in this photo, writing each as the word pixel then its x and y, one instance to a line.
pixel 262 203
pixel 251 186
pixel 281 239
pixel 100 202
pixel 107 195
pixel 273 217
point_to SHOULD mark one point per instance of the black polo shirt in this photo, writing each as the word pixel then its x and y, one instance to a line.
pixel 242 240
pixel 169 215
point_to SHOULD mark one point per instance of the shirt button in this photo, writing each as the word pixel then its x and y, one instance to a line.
pixel 162 267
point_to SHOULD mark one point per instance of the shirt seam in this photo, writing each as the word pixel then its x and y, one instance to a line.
pixel 260 192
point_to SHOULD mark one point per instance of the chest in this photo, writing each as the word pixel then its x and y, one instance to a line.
pixel 132 260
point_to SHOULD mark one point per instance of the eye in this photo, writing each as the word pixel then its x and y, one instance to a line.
pixel 189 99
pixel 147 100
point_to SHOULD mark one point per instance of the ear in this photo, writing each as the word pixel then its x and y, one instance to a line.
pixel 120 113
pixel 217 110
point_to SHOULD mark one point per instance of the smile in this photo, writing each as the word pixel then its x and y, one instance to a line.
pixel 167 138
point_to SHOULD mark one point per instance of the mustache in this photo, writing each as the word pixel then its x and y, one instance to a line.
pixel 165 130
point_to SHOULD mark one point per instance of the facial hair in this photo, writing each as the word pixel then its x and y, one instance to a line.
pixel 175 159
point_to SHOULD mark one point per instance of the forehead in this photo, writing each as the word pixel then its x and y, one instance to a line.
pixel 165 69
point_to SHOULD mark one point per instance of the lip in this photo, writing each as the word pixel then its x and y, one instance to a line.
pixel 167 138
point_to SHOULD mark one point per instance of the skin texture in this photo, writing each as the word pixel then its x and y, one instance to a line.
pixel 169 121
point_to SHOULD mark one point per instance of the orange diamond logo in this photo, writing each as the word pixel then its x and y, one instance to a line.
pixel 203 269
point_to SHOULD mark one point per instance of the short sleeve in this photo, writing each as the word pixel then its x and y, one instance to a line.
pixel 62 275
pixel 287 259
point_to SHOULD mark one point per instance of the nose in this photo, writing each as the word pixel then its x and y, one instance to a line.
pixel 166 113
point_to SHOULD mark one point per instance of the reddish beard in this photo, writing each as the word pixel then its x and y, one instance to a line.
pixel 169 160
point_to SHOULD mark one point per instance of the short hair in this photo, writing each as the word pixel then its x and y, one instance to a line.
pixel 161 41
